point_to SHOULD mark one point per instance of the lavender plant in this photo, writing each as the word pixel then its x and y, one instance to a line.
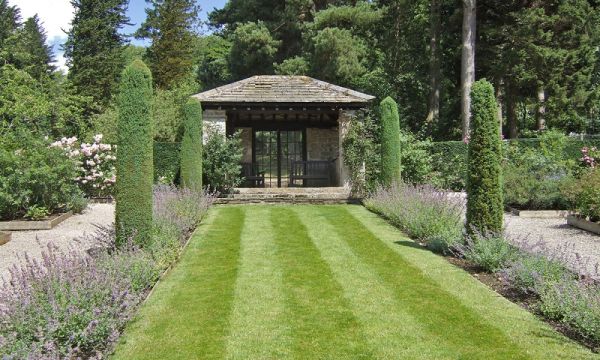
pixel 72 305
pixel 489 251
pixel 423 212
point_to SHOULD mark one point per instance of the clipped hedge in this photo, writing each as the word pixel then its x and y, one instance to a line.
pixel 166 161
pixel 133 211
pixel 455 153
pixel 390 142
pixel 484 183
pixel 191 146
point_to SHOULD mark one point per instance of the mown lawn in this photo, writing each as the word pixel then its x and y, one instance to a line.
pixel 326 282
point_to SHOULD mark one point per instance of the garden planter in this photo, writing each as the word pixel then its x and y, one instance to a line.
pixel 539 214
pixel 583 223
pixel 4 237
pixel 24 225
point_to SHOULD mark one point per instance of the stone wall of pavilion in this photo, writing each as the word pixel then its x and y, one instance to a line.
pixel 322 144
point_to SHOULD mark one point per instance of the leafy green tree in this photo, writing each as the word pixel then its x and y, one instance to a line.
pixel 94 47
pixel 338 56
pixel 191 146
pixel 133 216
pixel 484 176
pixel 22 100
pixel 213 61
pixel 293 66
pixel 390 142
pixel 253 51
pixel 171 26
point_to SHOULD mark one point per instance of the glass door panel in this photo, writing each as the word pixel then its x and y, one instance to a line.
pixel 274 152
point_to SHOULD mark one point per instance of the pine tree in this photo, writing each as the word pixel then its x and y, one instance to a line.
pixel 135 157
pixel 171 25
pixel 191 146
pixel 390 142
pixel 32 41
pixel 484 188
pixel 10 21
pixel 94 48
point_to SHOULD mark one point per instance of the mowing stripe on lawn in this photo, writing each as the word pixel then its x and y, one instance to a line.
pixel 258 328
pixel 391 331
pixel 533 336
pixel 187 317
pixel 442 313
pixel 323 326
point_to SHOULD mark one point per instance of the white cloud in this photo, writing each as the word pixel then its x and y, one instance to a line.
pixel 56 16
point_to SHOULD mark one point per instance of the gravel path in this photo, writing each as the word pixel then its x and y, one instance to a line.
pixel 557 234
pixel 71 232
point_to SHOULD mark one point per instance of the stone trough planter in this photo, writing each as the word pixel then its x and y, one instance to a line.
pixel 4 237
pixel 539 214
pixel 24 225
pixel 583 223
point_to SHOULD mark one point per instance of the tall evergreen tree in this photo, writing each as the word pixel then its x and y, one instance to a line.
pixel 10 21
pixel 171 25
pixel 94 48
pixel 32 41
pixel 390 142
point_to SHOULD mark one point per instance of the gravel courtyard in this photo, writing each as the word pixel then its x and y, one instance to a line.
pixel 71 232
pixel 556 233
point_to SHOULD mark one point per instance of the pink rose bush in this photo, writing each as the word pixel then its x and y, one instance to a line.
pixel 96 163
pixel 591 156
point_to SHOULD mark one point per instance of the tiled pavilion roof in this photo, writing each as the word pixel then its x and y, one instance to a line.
pixel 282 89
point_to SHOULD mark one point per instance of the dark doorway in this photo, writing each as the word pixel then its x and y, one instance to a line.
pixel 274 151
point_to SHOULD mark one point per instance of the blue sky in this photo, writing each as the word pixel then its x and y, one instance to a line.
pixel 56 16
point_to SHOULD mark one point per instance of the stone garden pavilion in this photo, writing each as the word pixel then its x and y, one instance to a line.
pixel 292 128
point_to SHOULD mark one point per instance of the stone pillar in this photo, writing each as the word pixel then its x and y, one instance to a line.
pixel 343 173
pixel 214 120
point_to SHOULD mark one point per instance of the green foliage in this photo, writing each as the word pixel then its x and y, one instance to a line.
pixel 575 304
pixel 213 61
pixel 361 153
pixel 166 162
pixel 390 142
pixel 490 251
pixel 171 26
pixel 191 146
pixel 485 209
pixel 134 158
pixel 221 164
pixel 34 176
pixel 415 159
pixel 167 112
pixel 94 48
pixel 252 51
pixel 293 66
pixel 36 56
pixel 450 158
pixel 535 179
pixel 529 272
pixel 338 56
pixel 22 101
pixel 36 213
pixel 584 194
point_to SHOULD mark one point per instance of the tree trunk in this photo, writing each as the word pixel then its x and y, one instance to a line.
pixel 511 112
pixel 468 61
pixel 541 108
pixel 434 66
